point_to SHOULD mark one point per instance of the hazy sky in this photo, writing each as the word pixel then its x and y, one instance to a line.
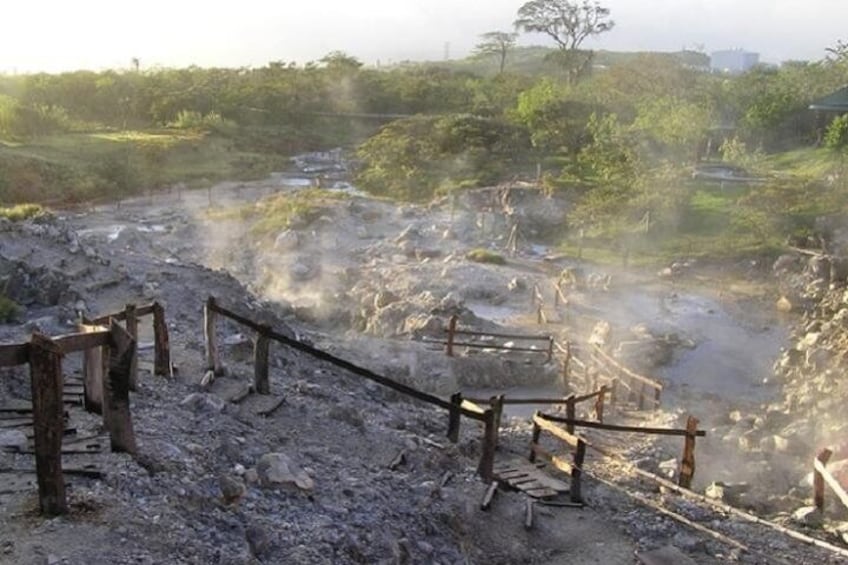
pixel 69 34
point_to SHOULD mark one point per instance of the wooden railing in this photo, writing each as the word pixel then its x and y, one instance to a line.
pixel 44 356
pixel 644 389
pixel 453 332
pixel 572 467
pixel 687 461
pixel 455 409
pixel 822 477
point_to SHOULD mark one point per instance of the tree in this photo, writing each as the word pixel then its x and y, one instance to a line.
pixel 496 43
pixel 568 24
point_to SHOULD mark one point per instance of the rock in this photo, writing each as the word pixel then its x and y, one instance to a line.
pixel 232 488
pixel 348 415
pixel 783 304
pixel 809 516
pixel 301 272
pixel 668 468
pixel 277 469
pixel 13 438
pixel 258 540
pixel 203 403
pixel 287 241
pixel 383 298
pixel 516 285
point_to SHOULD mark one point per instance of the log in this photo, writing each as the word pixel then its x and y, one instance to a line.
pixel 162 352
pixel 117 391
pixel 131 320
pixel 454 417
pixel 451 333
pixel 46 379
pixel 260 364
pixel 92 369
pixel 491 491
pixel 213 360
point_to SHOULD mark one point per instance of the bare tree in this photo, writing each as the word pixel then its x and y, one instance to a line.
pixel 496 43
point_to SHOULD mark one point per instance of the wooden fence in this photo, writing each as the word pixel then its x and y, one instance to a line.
pixel 624 382
pixel 822 477
pixel 44 357
pixel 574 466
pixel 452 332
pixel 687 461
pixel 455 409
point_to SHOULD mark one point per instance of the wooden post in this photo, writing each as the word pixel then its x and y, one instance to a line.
pixel 45 365
pixel 528 513
pixel 577 472
pixel 132 329
pixel 92 370
pixel 556 295
pixel 454 417
pixel 162 355
pixel 213 360
pixel 657 393
pixel 497 404
pixel 117 391
pixel 570 412
pixel 818 479
pixel 490 439
pixel 613 387
pixel 550 348
pixel 540 315
pixel 687 464
pixel 260 362
pixel 451 330
pixel 599 404
pixel 537 431
pixel 642 397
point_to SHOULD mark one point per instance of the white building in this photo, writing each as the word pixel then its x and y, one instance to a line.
pixel 733 61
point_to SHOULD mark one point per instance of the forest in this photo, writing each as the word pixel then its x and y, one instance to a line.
pixel 622 132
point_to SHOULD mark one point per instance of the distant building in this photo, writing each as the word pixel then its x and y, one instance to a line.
pixel 733 61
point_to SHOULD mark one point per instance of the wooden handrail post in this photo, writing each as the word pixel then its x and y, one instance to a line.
pixel 92 370
pixel 539 315
pixel 132 329
pixel 213 360
pixel 642 397
pixel 556 295
pixel 260 363
pixel 161 342
pixel 657 393
pixel 537 431
pixel 818 479
pixel 117 389
pixel 454 417
pixel 490 439
pixel 599 404
pixel 550 348
pixel 45 367
pixel 497 404
pixel 451 330
pixel 570 412
pixel 687 463
pixel 577 472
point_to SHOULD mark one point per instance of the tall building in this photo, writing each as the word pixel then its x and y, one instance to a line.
pixel 733 61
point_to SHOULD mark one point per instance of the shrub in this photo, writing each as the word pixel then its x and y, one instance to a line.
pixel 480 255
pixel 9 309
pixel 21 212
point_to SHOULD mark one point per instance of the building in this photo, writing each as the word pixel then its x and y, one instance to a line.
pixel 733 61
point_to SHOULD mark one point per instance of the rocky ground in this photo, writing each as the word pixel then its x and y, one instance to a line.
pixel 311 483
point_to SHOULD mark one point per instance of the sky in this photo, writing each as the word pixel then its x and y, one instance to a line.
pixel 57 35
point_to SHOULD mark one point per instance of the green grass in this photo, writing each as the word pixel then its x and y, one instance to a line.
pixel 810 162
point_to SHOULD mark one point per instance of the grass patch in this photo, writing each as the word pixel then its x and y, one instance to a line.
pixel 9 309
pixel 481 255
pixel 21 212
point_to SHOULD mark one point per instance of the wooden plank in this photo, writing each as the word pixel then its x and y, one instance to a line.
pixel 131 320
pixel 260 364
pixel 472 407
pixel 687 462
pixel 818 479
pixel 617 428
pixel 490 441
pixel 72 343
pixel 560 463
pixel 528 514
pixel 213 358
pixel 14 354
pixel 556 431
pixel 497 347
pixel 46 376
pixel 541 493
pixel 117 391
pixel 454 417
pixel 642 379
pixel 504 336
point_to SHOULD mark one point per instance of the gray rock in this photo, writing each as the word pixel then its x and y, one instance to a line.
pixel 13 438
pixel 277 469
pixel 203 403
pixel 809 516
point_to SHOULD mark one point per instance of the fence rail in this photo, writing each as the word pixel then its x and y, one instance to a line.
pixel 574 466
pixel 452 332
pixel 622 377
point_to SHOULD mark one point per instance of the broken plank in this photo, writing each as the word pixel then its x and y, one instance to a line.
pixel 399 460
pixel 489 496
pixel 528 514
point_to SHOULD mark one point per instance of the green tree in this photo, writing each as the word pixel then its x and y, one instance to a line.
pixel 497 43
pixel 568 23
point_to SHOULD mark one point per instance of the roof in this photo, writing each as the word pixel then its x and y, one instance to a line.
pixel 835 102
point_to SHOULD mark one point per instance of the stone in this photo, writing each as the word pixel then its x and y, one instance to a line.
pixel 287 241
pixel 809 516
pixel 203 403
pixel 277 469
pixel 232 488
pixel 258 540
pixel 13 438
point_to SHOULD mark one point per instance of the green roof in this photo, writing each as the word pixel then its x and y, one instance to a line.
pixel 836 102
